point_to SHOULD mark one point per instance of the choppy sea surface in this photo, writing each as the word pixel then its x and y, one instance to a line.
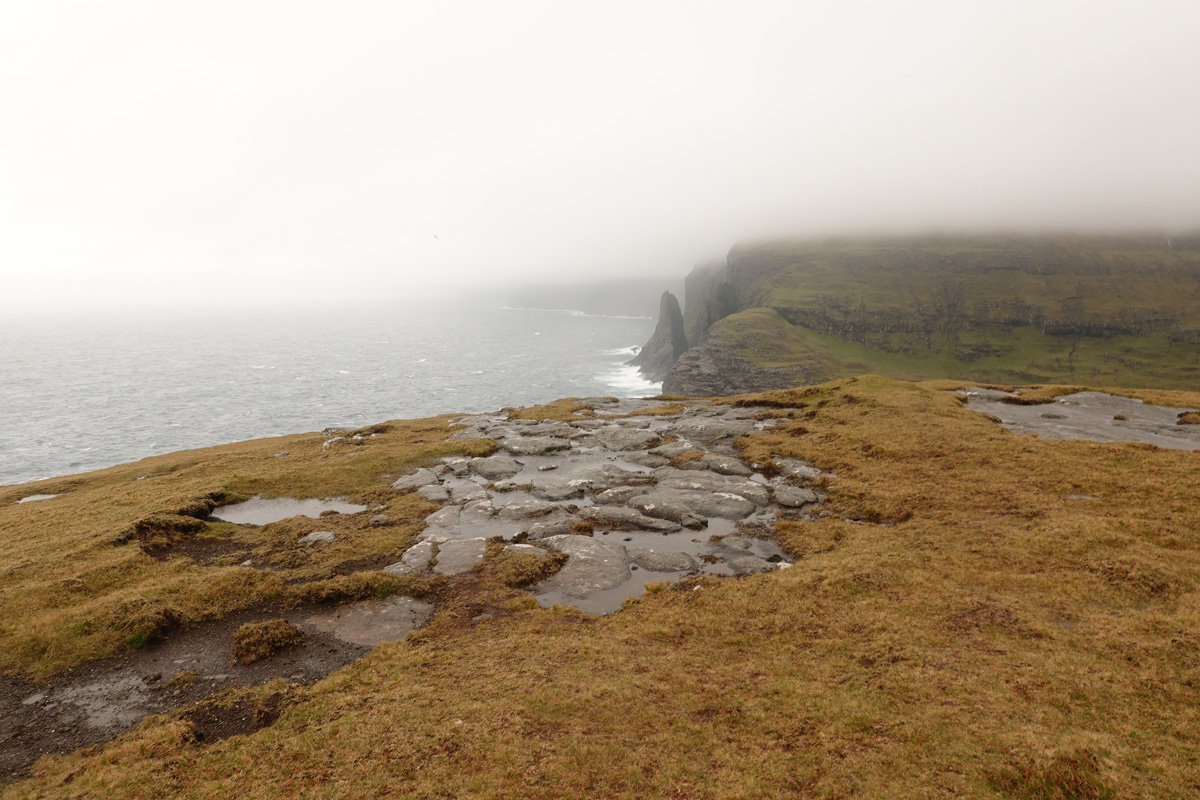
pixel 78 395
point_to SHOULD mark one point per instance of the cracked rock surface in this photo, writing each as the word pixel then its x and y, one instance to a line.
pixel 608 492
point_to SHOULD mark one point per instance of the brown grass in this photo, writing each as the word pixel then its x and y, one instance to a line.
pixel 564 410
pixel 255 641
pixel 975 633
pixel 121 557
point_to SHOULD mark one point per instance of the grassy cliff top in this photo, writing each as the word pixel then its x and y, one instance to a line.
pixel 984 615
pixel 1117 311
pixel 1075 278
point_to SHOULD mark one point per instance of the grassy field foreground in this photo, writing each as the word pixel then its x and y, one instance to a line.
pixel 984 615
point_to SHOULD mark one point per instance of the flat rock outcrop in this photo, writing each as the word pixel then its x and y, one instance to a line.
pixel 592 491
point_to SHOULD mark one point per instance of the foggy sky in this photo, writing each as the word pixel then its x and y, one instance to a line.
pixel 168 153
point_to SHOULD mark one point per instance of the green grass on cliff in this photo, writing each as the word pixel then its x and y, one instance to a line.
pixel 1023 356
pixel 1113 311
pixel 985 615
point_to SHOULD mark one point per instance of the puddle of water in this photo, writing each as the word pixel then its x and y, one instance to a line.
pixel 32 497
pixel 372 622
pixel 262 511
pixel 608 600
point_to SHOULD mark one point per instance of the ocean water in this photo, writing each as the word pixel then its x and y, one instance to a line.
pixel 78 395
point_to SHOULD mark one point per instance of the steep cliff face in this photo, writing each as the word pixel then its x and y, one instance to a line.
pixel 666 344
pixel 719 365
pixel 708 297
pixel 1116 310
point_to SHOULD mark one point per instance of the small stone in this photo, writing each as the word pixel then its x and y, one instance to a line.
pixel 278 455
pixel 317 539
pixel 547 467
pixel 379 519
pixel 332 441
pixel 794 496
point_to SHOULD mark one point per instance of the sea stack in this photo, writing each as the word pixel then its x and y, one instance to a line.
pixel 667 343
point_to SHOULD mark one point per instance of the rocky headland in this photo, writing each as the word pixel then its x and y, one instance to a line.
pixel 1119 311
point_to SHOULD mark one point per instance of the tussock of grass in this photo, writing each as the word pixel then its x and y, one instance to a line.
pixel 564 410
pixel 255 641
pixel 989 638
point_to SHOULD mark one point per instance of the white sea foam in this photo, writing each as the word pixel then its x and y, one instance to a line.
pixel 627 381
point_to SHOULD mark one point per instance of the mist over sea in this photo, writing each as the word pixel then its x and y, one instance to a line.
pixel 78 395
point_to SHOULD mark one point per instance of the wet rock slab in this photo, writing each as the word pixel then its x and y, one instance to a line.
pixel 1092 416
pixel 554 483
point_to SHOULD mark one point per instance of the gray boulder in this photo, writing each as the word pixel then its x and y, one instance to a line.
pixel 422 477
pixel 663 561
pixel 317 539
pixel 495 468
pixel 794 466
pixel 794 496
pixel 745 565
pixel 536 446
